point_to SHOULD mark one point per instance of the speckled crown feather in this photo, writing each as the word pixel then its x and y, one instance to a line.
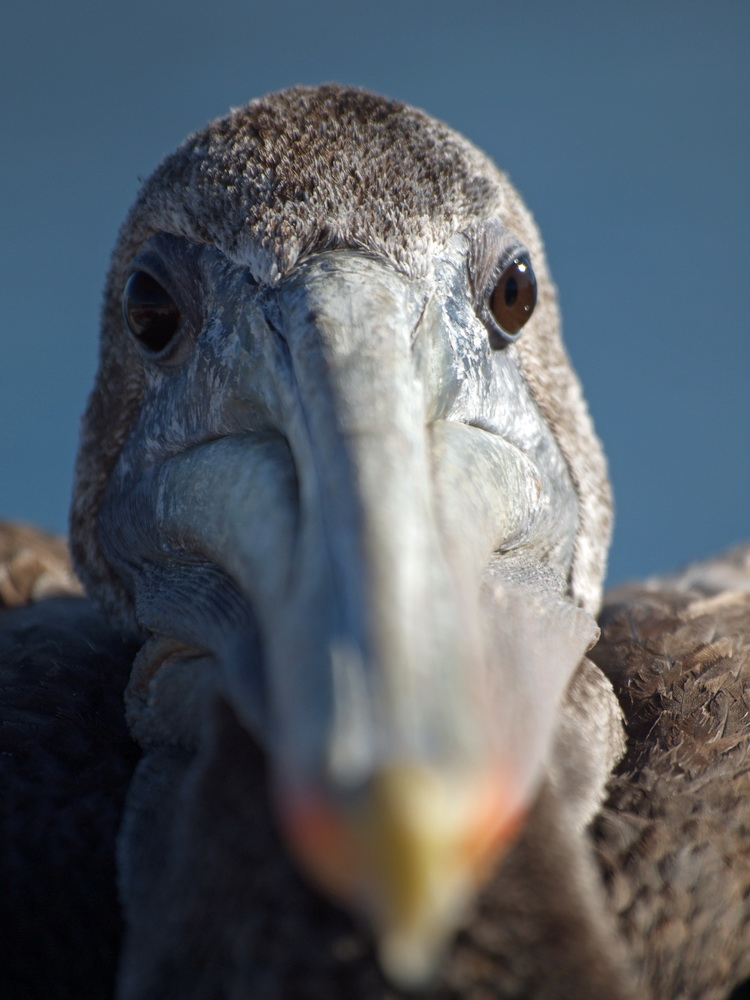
pixel 312 169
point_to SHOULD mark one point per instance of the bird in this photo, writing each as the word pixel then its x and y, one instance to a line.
pixel 338 486
pixel 326 314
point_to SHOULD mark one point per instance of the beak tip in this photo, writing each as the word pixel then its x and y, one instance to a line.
pixel 411 856
pixel 411 961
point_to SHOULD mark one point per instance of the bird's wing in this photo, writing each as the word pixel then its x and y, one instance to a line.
pixel 672 839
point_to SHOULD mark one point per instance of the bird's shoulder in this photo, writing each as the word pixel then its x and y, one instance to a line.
pixel 66 760
pixel 33 564
pixel 672 836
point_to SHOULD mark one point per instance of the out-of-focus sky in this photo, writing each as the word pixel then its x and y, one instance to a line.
pixel 625 126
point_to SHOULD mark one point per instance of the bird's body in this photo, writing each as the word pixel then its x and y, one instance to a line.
pixel 338 484
pixel 672 839
pixel 66 760
pixel 651 902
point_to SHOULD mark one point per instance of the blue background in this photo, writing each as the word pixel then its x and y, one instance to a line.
pixel 625 126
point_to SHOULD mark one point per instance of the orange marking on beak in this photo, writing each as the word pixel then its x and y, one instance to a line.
pixel 319 838
pixel 496 825
pixel 410 853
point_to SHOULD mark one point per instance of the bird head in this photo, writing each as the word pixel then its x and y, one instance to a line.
pixel 336 467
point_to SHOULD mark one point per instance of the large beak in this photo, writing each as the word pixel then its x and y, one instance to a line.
pixel 341 560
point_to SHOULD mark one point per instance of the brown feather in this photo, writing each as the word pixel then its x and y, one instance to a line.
pixel 673 839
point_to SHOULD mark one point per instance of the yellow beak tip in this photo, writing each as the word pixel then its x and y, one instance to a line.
pixel 409 961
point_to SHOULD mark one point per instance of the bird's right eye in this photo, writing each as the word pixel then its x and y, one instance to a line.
pixel 152 315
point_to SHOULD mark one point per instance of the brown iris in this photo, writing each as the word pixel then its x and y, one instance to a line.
pixel 151 313
pixel 513 300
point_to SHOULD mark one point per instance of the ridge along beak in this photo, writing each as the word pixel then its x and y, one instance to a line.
pixel 337 561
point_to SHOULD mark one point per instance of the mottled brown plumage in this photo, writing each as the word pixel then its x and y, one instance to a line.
pixel 33 565
pixel 673 839
pixel 66 760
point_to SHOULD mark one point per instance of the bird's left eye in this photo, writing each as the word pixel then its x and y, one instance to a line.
pixel 514 297
pixel 152 315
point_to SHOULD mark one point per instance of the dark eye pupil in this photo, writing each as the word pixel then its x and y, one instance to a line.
pixel 150 312
pixel 513 300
